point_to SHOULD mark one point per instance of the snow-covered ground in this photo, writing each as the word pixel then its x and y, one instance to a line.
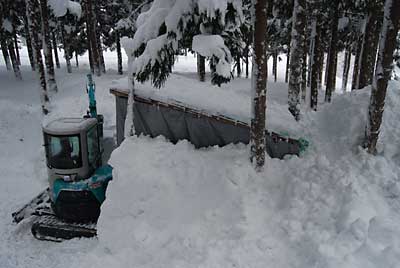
pixel 174 206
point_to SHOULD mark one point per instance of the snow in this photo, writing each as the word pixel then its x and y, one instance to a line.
pixel 337 206
pixel 175 206
pixel 213 45
pixel 60 7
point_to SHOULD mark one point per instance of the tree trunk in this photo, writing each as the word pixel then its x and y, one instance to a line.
pixel 275 65
pixel 296 57
pixel 101 55
pixel 316 58
pixel 46 43
pixel 332 63
pixel 387 42
pixel 34 28
pixel 14 60
pixel 259 84
pixel 369 48
pixel 238 66
pixel 4 50
pixel 66 48
pixel 119 54
pixel 91 29
pixel 356 67
pixel 55 50
pixel 201 67
pixel 346 67
pixel 247 60
pixel 304 65
pixel 18 58
pixel 29 42
pixel 76 59
pixel 287 66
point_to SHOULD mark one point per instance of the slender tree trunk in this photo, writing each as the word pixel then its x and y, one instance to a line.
pixel 46 43
pixel 33 14
pixel 66 47
pixel 332 63
pixel 100 49
pixel 119 54
pixel 55 50
pixel 14 60
pixel 29 42
pixel 316 60
pixel 18 58
pixel 356 67
pixel 76 59
pixel 287 66
pixel 259 86
pixel 201 67
pixel 304 64
pixel 238 66
pixel 4 50
pixel 275 65
pixel 296 57
pixel 387 42
pixel 346 67
pixel 91 29
pixel 246 53
pixel 369 47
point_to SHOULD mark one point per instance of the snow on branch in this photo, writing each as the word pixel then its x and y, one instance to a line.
pixel 60 7
pixel 213 45
pixel 170 25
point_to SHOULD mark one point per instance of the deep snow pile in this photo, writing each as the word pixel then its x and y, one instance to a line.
pixel 174 206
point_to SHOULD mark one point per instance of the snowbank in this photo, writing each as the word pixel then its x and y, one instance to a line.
pixel 174 206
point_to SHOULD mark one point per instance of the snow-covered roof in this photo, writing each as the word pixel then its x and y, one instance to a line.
pixel 68 126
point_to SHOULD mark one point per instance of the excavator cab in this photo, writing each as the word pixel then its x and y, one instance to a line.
pixel 77 180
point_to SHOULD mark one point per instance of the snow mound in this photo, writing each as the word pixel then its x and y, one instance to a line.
pixel 337 206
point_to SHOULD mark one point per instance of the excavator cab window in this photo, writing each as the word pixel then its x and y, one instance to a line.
pixel 63 152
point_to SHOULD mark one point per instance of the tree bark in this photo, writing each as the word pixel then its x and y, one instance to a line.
pixel 275 65
pixel 29 42
pixel 238 66
pixel 55 50
pixel 34 28
pixel 296 57
pixel 356 66
pixel 332 62
pixel 387 42
pixel 17 56
pixel 4 50
pixel 287 66
pixel 369 47
pixel 246 53
pixel 201 67
pixel 46 43
pixel 346 67
pixel 304 64
pixel 91 29
pixel 14 60
pixel 119 54
pixel 76 59
pixel 259 84
pixel 315 63
pixel 66 48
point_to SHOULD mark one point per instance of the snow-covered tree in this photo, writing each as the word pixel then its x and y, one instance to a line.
pixel 33 14
pixel 296 56
pixel 259 85
pixel 387 44
pixel 172 24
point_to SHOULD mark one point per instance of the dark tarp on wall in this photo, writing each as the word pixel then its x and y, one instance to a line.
pixel 177 122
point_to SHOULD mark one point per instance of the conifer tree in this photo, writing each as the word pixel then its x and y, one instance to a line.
pixel 387 44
